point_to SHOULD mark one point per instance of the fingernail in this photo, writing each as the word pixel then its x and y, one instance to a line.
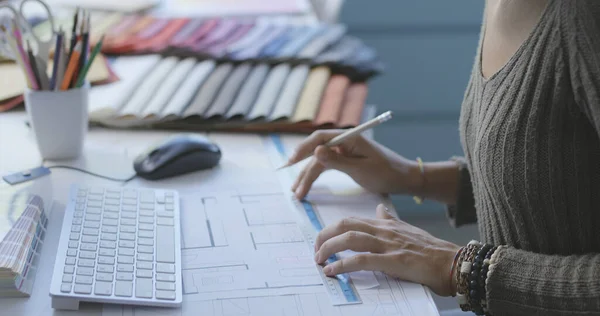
pixel 327 270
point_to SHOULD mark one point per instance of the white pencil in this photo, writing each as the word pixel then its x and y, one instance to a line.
pixel 352 132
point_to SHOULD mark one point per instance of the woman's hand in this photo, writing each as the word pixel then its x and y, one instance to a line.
pixel 391 246
pixel 371 165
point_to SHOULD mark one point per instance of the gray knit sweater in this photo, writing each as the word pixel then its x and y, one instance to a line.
pixel 530 176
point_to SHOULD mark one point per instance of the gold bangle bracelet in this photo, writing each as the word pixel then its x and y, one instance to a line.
pixel 419 199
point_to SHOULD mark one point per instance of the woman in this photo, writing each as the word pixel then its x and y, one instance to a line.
pixel 530 177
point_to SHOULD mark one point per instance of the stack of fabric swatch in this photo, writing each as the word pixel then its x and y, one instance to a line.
pixel 234 74
pixel 22 227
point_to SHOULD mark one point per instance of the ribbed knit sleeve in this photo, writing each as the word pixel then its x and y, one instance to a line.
pixel 463 211
pixel 527 283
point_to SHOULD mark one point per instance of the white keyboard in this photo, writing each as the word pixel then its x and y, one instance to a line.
pixel 119 245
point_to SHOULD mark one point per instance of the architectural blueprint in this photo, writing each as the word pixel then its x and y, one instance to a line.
pixel 243 254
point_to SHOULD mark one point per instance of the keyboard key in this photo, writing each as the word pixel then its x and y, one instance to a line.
pixel 106 260
pixel 76 228
pixel 77 221
pixel 146 213
pixel 165 295
pixel 109 229
pixel 80 200
pixel 124 276
pixel 81 193
pixel 84 279
pixel 67 278
pixel 105 268
pixel 80 207
pixel 127 229
pixel 107 252
pixel 165 237
pixel 144 265
pixel 146 234
pixel 165 277
pixel 111 208
pixel 160 199
pixel 90 224
pixel 72 252
pixel 130 194
pixel 96 190
pixel 69 269
pixel 147 242
pixel 82 289
pixel 108 244
pixel 103 288
pixel 165 268
pixel 129 208
pixel 78 214
pixel 89 239
pixel 147 197
pixel 65 287
pixel 147 206
pixel 126 244
pixel 86 263
pixel 110 222
pixel 91 231
pixel 108 236
pixel 93 210
pixel 129 201
pixel 128 215
pixel 87 255
pixel 123 288
pixel 146 219
pixel 127 236
pixel 165 286
pixel 92 217
pixel 74 236
pixel 94 203
pixel 110 215
pixel 85 271
pixel 112 202
pixel 70 261
pixel 95 197
pixel 165 221
pixel 113 195
pixel 169 200
pixel 165 214
pixel 144 274
pixel 169 194
pixel 125 259
pixel 145 249
pixel 169 207
pixel 145 257
pixel 88 247
pixel 104 277
pixel 128 221
pixel 146 227
pixel 124 268
pixel 126 252
pixel 73 244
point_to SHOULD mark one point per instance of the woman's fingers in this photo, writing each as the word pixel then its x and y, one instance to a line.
pixel 343 226
pixel 308 146
pixel 311 173
pixel 383 212
pixel 352 240
pixel 367 261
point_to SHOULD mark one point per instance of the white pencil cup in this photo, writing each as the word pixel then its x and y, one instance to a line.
pixel 59 120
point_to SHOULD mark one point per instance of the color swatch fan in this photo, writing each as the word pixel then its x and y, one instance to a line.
pixel 22 227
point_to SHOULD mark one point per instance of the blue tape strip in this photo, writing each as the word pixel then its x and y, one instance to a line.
pixel 343 279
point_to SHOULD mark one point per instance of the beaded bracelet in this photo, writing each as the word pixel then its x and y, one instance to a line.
pixel 465 268
pixel 475 290
pixel 419 199
pixel 453 268
pixel 483 276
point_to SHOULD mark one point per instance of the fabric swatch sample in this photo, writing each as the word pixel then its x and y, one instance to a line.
pixel 308 104
pixel 342 50
pixel 229 91
pixel 220 49
pixel 273 48
pixel 145 91
pixel 249 91
pixel 270 91
pixel 298 43
pixel 197 35
pixel 253 51
pixel 186 31
pixel 259 30
pixel 219 33
pixel 168 87
pixel 286 104
pixel 354 102
pixel 331 35
pixel 333 98
pixel 209 90
pixel 188 88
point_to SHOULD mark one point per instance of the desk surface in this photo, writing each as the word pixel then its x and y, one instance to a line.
pixel 110 152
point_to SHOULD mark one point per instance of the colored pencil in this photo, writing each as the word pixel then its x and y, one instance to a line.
pixel 34 66
pixel 12 42
pixel 71 66
pixel 88 65
pixel 57 53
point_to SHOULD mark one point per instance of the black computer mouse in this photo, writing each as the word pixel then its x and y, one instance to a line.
pixel 177 155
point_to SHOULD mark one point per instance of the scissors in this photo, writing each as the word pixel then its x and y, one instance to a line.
pixel 41 46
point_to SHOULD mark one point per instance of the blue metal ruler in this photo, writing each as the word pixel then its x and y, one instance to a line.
pixel 340 288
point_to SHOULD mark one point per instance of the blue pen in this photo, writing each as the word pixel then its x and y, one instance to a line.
pixel 57 52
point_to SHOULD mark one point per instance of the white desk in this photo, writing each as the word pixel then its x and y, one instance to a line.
pixel 109 152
